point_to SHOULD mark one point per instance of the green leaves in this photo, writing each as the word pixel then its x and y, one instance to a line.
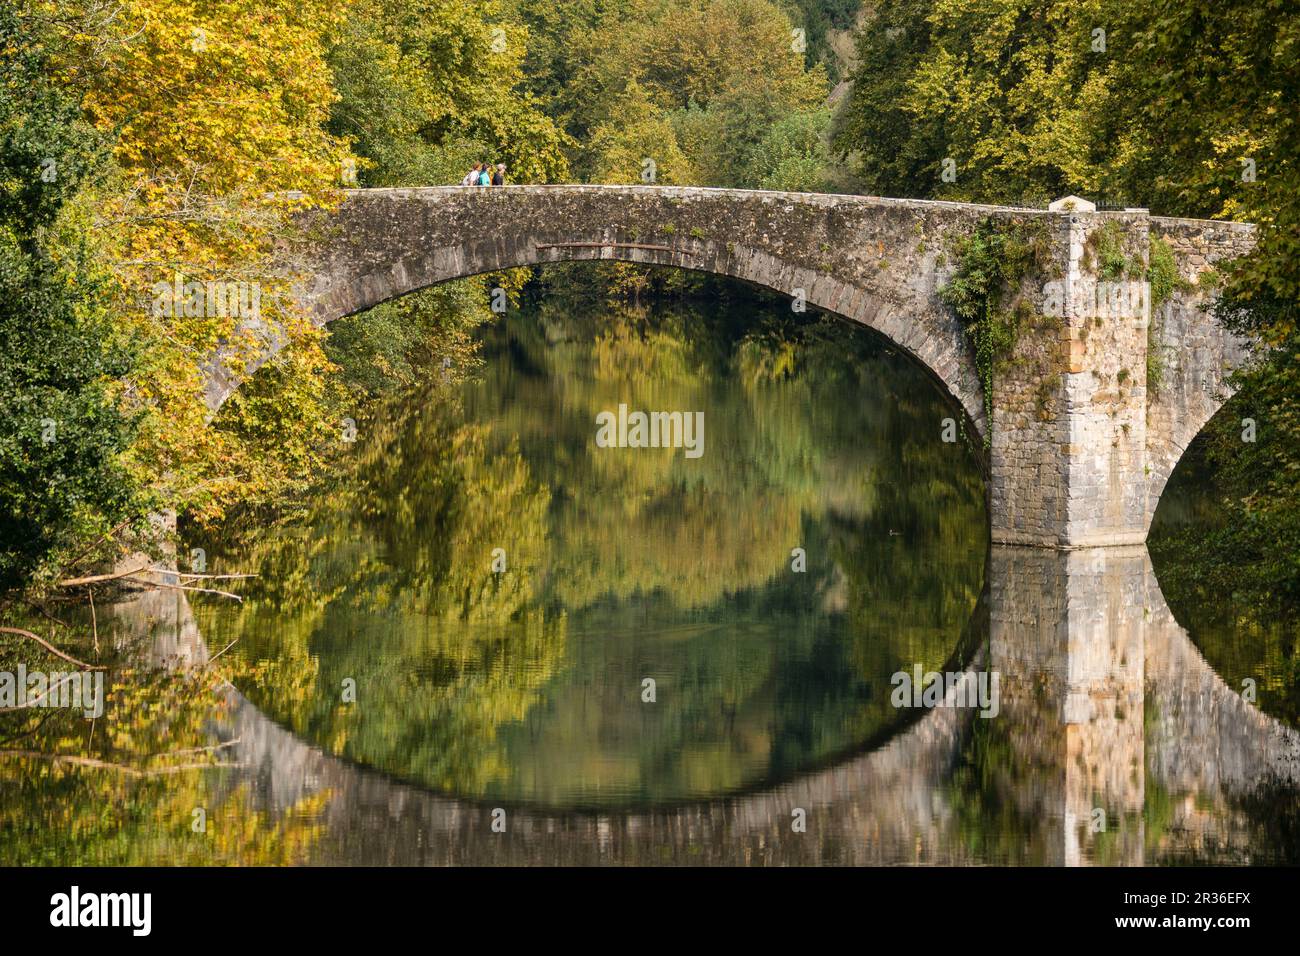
pixel 426 91
pixel 991 263
pixel 61 434
pixel 695 88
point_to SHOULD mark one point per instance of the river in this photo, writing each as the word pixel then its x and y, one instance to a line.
pixel 494 639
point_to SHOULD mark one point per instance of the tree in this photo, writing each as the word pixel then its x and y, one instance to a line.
pixel 62 436
pixel 792 155
pixel 214 114
pixel 640 143
pixel 425 92
pixel 720 74
pixel 1011 91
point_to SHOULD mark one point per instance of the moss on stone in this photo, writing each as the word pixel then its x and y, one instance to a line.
pixel 1104 253
pixel 985 290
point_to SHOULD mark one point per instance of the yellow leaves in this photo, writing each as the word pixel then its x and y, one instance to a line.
pixel 720 48
pixel 419 77
pixel 217 111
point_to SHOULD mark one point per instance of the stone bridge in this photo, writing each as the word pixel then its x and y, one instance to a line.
pixel 1079 448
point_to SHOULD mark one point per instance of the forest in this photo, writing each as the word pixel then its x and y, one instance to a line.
pixel 167 141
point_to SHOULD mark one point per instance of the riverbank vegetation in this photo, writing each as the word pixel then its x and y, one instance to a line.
pixel 153 141
pixel 147 142
pixel 601 554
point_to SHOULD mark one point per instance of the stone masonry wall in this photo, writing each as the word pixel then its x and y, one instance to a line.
pixel 1027 482
pixel 1069 407
pixel 1196 353
pixel 1081 447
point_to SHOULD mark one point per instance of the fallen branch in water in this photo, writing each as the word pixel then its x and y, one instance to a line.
pixel 94 544
pixel 51 648
pixel 138 576
pixel 197 750
pixel 208 577
pixel 183 587
pixel 46 614
pixel 222 651
pixel 100 578
pixel 94 764
pixel 94 619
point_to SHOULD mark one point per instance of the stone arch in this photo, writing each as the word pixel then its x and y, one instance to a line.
pixel 877 262
pixel 1196 353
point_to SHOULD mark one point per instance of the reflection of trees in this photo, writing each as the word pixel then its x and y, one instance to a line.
pixel 811 431
pixel 624 564
pixel 814 437
pixel 131 806
pixel 438 505
pixel 1240 638
pixel 644 521
pixel 389 582
pixel 1239 622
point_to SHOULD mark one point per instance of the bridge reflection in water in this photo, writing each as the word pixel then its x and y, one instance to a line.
pixel 1115 742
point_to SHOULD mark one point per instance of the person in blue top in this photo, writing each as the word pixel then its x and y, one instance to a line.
pixel 485 176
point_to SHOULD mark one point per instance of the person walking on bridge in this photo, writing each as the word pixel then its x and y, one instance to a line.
pixel 472 177
pixel 499 175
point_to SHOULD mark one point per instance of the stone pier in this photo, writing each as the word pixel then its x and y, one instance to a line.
pixel 1068 460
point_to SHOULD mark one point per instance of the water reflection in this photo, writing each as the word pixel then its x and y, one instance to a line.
pixel 1106 705
pixel 530 619
pixel 1114 741
pixel 1135 750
